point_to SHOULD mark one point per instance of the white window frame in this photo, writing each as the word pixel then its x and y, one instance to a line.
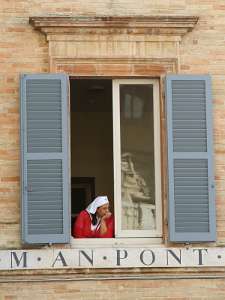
pixel 119 232
pixel 153 238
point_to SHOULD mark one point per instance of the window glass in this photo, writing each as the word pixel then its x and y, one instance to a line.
pixel 137 157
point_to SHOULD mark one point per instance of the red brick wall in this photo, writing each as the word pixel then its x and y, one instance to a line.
pixel 24 50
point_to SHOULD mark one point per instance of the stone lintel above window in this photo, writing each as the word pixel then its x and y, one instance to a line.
pixel 151 25
pixel 154 40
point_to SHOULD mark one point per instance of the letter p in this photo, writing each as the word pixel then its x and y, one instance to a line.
pixel 120 254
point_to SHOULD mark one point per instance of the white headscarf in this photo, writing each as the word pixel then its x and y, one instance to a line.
pixel 99 201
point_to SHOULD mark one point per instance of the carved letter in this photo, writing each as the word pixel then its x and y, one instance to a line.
pixel 60 258
pixel 90 259
pixel 178 259
pixel 119 257
pixel 152 257
pixel 17 260
pixel 200 255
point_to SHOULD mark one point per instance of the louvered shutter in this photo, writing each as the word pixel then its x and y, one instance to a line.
pixel 190 165
pixel 45 190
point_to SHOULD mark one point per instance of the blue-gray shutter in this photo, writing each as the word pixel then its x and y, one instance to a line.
pixel 190 162
pixel 45 178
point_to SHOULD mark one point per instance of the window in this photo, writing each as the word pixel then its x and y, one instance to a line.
pixel 114 132
pixel 133 156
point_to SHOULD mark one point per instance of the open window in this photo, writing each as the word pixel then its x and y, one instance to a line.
pixel 116 151
pixel 115 141
pixel 91 142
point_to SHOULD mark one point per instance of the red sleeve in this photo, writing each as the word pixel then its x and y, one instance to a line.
pixel 82 226
pixel 110 229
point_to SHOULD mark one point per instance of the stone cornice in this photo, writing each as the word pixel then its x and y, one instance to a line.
pixel 154 25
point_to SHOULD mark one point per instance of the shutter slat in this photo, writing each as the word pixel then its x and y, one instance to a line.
pixel 51 99
pixel 47 133
pixel 50 202
pixel 189 124
pixel 43 142
pixel 43 115
pixel 45 184
pixel 188 115
pixel 45 176
pixel 191 193
pixel 42 180
pixel 49 206
pixel 189 134
pixel 44 107
pixel 46 231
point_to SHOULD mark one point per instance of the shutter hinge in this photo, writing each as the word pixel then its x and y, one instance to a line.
pixel 28 188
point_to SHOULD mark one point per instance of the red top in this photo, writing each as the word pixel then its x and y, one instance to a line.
pixel 82 227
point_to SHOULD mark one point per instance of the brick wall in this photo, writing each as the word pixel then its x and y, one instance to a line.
pixel 22 50
pixel 183 289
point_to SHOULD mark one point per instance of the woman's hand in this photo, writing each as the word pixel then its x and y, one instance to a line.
pixel 106 216
pixel 103 227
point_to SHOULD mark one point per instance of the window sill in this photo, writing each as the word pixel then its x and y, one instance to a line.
pixel 116 242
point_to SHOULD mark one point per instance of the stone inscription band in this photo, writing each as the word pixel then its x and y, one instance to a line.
pixel 111 258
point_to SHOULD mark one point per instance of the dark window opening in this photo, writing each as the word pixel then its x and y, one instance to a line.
pixel 91 142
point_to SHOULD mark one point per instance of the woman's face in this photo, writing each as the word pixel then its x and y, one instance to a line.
pixel 103 210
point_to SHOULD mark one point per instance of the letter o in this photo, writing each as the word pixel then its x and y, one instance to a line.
pixel 152 257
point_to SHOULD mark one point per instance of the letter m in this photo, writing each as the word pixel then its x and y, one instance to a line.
pixel 18 261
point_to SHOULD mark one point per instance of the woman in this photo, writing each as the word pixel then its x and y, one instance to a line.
pixel 96 221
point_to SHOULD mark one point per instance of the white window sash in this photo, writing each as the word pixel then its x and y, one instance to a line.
pixel 119 232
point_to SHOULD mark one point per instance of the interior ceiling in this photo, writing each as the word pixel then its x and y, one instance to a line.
pixel 91 95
